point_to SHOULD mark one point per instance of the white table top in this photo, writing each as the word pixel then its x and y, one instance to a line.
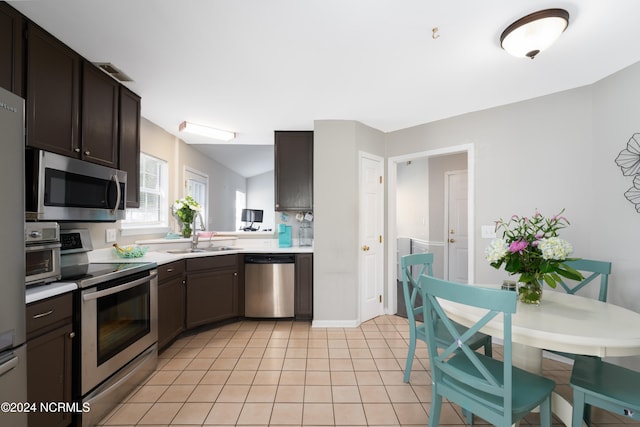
pixel 566 323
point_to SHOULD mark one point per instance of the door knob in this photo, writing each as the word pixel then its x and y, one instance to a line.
pixel 365 248
pixel 452 240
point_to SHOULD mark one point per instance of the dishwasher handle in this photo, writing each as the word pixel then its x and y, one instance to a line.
pixel 269 259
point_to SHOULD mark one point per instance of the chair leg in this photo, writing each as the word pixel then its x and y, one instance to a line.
pixel 545 412
pixel 468 415
pixel 488 349
pixel 410 354
pixel 578 408
pixel 434 413
pixel 587 414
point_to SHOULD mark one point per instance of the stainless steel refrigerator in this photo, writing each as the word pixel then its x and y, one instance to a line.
pixel 13 354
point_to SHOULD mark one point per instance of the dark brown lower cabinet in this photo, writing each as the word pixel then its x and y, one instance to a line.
pixel 171 302
pixel 303 305
pixel 49 358
pixel 212 290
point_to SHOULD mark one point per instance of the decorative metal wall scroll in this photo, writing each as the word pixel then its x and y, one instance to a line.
pixel 629 162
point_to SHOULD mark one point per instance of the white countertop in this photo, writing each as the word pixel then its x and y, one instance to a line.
pixel 158 254
pixel 37 293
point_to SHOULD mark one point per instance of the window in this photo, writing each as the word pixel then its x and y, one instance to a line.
pixel 197 186
pixel 154 207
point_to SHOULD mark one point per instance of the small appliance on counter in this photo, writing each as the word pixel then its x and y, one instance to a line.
pixel 41 252
pixel 284 236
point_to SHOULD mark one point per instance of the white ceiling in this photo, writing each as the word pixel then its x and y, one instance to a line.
pixel 255 66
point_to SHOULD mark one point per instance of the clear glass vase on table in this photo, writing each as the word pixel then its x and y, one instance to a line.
pixel 530 247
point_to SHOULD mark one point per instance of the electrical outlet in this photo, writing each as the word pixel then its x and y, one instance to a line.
pixel 111 235
pixel 488 231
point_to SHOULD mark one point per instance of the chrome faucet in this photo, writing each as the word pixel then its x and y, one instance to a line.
pixel 194 237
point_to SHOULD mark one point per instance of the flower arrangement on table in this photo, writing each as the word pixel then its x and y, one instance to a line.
pixel 530 246
pixel 185 210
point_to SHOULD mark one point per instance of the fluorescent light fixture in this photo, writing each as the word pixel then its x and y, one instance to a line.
pixel 209 132
pixel 535 32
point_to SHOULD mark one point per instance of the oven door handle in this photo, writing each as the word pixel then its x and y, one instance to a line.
pixel 32 248
pixel 119 288
pixel 9 365
pixel 118 194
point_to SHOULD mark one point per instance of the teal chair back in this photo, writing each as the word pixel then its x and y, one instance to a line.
pixel 413 267
pixel 592 270
pixel 489 388
pixel 423 263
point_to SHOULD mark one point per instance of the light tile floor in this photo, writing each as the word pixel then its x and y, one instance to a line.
pixel 286 373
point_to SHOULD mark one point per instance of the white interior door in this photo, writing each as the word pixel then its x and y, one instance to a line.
pixel 371 220
pixel 457 234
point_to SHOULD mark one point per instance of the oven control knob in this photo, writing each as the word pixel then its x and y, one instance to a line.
pixel 35 234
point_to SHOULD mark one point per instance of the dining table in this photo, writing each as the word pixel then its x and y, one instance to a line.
pixel 561 322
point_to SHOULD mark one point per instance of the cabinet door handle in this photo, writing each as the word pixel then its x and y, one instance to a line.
pixel 72 335
pixel 77 150
pixel 169 270
pixel 87 153
pixel 47 313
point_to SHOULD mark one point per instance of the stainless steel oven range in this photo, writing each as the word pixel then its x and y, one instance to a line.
pixel 117 319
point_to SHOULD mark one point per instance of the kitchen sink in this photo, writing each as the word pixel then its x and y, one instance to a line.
pixel 184 251
pixel 221 248
pixel 200 250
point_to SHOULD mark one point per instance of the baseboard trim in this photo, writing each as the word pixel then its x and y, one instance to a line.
pixel 335 323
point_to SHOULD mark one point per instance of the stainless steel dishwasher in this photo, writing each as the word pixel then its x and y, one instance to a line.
pixel 269 285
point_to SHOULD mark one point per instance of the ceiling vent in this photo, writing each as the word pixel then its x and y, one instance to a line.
pixel 113 71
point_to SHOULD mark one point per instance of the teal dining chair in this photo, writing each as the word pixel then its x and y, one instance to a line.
pixel 610 387
pixel 413 266
pixel 492 389
pixel 591 270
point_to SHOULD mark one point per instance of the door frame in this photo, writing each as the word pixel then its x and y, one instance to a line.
pixel 391 304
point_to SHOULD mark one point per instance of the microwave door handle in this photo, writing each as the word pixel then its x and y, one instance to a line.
pixel 118 194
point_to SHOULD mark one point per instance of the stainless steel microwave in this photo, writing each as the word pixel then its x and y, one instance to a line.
pixel 60 188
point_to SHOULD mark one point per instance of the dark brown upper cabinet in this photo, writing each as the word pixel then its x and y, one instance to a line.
pixel 129 155
pixel 293 153
pixel 100 95
pixel 11 27
pixel 53 94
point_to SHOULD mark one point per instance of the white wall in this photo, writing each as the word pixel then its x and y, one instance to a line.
pixel 260 195
pixel 335 198
pixel 524 159
pixel 412 203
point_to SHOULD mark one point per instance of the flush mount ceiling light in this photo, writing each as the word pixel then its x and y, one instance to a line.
pixel 535 32
pixel 209 132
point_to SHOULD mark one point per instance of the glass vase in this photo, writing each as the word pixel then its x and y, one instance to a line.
pixel 530 292
pixel 186 230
